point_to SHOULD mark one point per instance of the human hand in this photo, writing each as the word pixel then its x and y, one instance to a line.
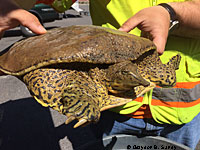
pixel 11 16
pixel 154 21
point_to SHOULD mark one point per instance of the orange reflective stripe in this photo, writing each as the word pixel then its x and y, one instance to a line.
pixel 185 85
pixel 175 104
pixel 142 112
pixel 139 99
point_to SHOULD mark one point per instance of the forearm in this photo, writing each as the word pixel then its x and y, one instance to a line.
pixel 188 15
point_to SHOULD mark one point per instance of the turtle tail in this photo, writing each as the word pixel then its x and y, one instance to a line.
pixel 174 62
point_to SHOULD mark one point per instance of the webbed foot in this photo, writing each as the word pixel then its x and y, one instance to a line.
pixel 83 112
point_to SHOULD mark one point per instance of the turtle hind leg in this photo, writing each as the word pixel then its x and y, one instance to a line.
pixel 170 71
pixel 163 75
pixel 174 62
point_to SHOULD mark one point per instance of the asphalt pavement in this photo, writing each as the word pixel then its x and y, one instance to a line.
pixel 25 124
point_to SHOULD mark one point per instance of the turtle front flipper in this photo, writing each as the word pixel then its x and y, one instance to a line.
pixel 123 98
pixel 114 101
pixel 80 104
pixel 81 99
pixel 71 93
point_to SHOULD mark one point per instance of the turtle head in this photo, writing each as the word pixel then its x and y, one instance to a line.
pixel 124 76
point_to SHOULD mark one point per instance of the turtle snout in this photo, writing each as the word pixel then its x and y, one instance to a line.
pixel 137 79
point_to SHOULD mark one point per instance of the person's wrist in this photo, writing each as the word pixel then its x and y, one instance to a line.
pixel 173 17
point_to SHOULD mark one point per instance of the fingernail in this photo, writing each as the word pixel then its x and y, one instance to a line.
pixel 42 29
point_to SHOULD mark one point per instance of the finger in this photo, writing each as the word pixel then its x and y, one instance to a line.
pixel 130 24
pixel 160 43
pixel 30 21
pixel 36 28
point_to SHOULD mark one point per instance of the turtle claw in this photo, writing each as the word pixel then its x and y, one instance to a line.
pixel 69 119
pixel 81 122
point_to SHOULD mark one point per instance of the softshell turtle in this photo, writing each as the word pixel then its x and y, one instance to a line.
pixel 82 70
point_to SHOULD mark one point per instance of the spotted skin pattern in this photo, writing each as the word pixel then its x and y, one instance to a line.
pixel 82 93
pixel 47 86
pixel 72 93
pixel 152 69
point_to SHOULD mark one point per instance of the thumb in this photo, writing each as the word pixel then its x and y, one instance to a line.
pixel 30 21
pixel 36 27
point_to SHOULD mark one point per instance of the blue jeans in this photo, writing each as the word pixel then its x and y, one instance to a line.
pixel 112 123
